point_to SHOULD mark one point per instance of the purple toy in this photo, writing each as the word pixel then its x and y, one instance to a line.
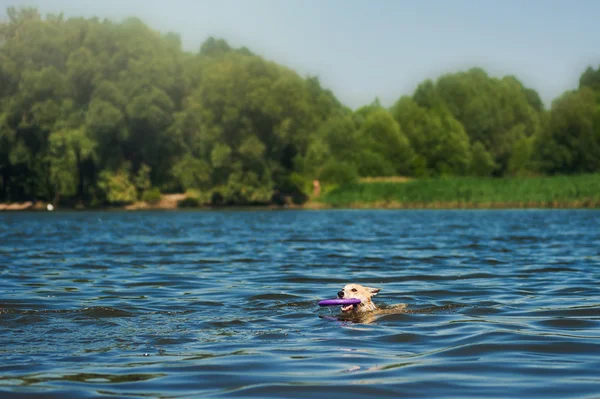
pixel 336 301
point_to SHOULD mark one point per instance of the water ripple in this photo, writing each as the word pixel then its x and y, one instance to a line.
pixel 501 304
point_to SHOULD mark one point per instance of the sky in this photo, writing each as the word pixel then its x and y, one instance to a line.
pixel 367 49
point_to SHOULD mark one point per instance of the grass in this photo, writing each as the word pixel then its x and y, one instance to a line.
pixel 385 179
pixel 470 192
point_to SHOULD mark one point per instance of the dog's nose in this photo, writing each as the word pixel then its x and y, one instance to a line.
pixel 341 294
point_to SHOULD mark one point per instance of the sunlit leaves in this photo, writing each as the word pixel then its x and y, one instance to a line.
pixel 142 180
pixel 117 186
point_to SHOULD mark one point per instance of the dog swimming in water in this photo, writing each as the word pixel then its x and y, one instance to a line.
pixel 365 294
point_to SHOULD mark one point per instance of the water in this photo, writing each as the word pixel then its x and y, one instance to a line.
pixel 502 304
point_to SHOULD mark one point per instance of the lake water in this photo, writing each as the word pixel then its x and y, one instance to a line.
pixel 501 304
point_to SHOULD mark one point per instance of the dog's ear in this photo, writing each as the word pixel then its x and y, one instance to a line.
pixel 373 291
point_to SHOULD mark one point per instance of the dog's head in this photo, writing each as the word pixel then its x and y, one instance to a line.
pixel 359 292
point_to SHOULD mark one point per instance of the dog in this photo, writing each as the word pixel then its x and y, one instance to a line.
pixel 366 304
pixel 357 291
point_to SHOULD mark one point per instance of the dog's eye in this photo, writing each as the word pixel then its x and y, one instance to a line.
pixel 354 290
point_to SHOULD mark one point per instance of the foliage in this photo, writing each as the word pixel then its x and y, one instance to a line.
pixel 571 143
pixel 151 195
pixel 106 112
pixel 441 144
pixel 117 187
pixel 482 163
pixel 472 191
pixel 339 173
pixel 495 112
pixel 142 179
pixel 387 147
pixel 189 202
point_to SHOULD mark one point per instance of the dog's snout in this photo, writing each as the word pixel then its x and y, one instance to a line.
pixel 341 294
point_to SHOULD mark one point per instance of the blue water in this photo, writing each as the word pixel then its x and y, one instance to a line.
pixel 501 304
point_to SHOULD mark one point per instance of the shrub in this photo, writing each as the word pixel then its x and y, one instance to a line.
pixel 151 196
pixel 117 187
pixel 338 173
pixel 189 202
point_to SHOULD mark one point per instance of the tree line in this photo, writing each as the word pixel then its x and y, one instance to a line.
pixel 99 112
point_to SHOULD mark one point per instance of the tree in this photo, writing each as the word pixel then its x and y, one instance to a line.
pixel 488 108
pixel 99 111
pixel 571 142
pixel 193 173
pixel 440 143
pixel 117 186
pixel 482 163
pixel 590 78
pixel 68 151
pixel 390 150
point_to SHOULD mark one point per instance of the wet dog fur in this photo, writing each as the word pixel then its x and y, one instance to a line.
pixel 365 294
pixel 357 291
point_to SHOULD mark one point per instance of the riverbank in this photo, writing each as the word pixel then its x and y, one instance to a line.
pixel 581 191
pixel 18 206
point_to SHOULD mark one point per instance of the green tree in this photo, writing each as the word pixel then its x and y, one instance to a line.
pixel 440 143
pixel 100 111
pixel 482 163
pixel 488 109
pixel 521 160
pixel 590 78
pixel 571 142
pixel 193 173
pixel 382 135
pixel 117 186
pixel 69 149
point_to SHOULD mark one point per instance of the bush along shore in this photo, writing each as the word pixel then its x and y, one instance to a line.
pixel 581 191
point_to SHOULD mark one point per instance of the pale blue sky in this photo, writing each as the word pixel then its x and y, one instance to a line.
pixel 362 49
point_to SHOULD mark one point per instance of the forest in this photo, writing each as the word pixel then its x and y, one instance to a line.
pixel 97 112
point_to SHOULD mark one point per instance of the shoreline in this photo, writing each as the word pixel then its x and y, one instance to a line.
pixel 560 192
pixel 312 205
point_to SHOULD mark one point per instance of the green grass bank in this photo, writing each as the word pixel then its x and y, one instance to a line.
pixel 582 191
